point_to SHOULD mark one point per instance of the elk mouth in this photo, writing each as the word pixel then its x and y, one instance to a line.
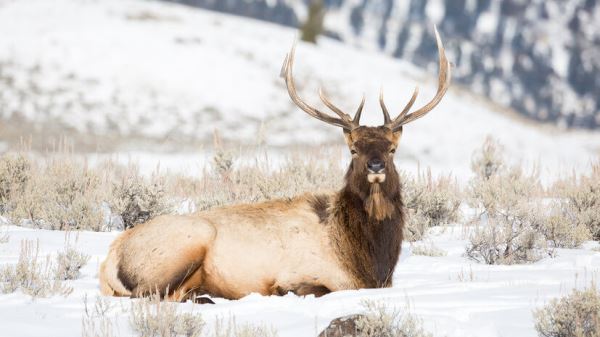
pixel 375 178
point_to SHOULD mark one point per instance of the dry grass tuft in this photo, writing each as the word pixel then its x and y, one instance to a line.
pixel 576 315
pixel 430 202
pixel 95 321
pixel 69 262
pixel 428 249
pixel 4 236
pixel 230 328
pixel 488 161
pixel 32 275
pixel 151 317
pixel 380 321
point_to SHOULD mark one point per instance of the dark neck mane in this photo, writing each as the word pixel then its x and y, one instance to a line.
pixel 368 229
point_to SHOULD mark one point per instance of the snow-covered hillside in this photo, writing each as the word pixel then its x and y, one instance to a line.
pixel 134 70
pixel 539 57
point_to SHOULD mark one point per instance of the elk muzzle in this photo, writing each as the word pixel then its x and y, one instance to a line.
pixel 376 169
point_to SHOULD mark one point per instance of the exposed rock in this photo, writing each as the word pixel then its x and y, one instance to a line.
pixel 342 327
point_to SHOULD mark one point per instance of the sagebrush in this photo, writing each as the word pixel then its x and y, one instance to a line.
pixel 428 249
pixel 429 202
pixel 579 198
pixel 137 199
pixel 224 184
pixel 575 315
pixel 66 194
pixel 14 174
pixel 230 328
pixel 33 274
pixel 69 263
pixel 96 321
pixel 60 194
pixel 381 321
pixel 508 213
pixel 151 317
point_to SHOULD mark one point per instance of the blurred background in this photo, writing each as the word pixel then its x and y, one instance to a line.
pixel 155 80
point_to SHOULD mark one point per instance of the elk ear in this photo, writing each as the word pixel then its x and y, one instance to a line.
pixel 396 135
pixel 348 137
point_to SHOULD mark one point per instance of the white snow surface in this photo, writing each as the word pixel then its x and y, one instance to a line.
pixel 452 295
pixel 166 71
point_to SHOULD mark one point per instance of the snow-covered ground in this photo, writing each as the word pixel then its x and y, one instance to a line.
pixel 125 69
pixel 454 296
pixel 147 70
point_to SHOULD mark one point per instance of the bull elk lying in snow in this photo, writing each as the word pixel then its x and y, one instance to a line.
pixel 310 244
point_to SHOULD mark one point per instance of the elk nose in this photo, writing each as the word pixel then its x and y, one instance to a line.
pixel 375 165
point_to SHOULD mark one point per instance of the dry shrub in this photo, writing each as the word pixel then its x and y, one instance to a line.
pixel 560 227
pixel 151 317
pixel 429 202
pixel 575 315
pixel 63 195
pixel 4 236
pixel 428 249
pixel 380 321
pixel 488 161
pixel 230 328
pixel 508 211
pixel 95 321
pixel 137 199
pixel 508 243
pixel 228 184
pixel 32 275
pixel 522 221
pixel 69 262
pixel 14 174
pixel 580 200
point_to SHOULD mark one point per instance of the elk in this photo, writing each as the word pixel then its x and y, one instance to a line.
pixel 309 244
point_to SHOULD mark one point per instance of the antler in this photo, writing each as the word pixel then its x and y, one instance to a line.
pixel 344 120
pixel 443 83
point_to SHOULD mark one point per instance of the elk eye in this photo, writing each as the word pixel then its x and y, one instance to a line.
pixel 392 151
pixel 353 152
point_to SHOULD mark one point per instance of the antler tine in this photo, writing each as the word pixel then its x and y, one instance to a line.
pixel 408 105
pixel 443 84
pixel 331 106
pixel 386 115
pixel 286 73
pixel 356 120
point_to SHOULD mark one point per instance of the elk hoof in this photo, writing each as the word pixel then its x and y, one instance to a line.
pixel 203 300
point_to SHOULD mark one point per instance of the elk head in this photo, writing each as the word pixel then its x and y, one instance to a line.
pixel 372 148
